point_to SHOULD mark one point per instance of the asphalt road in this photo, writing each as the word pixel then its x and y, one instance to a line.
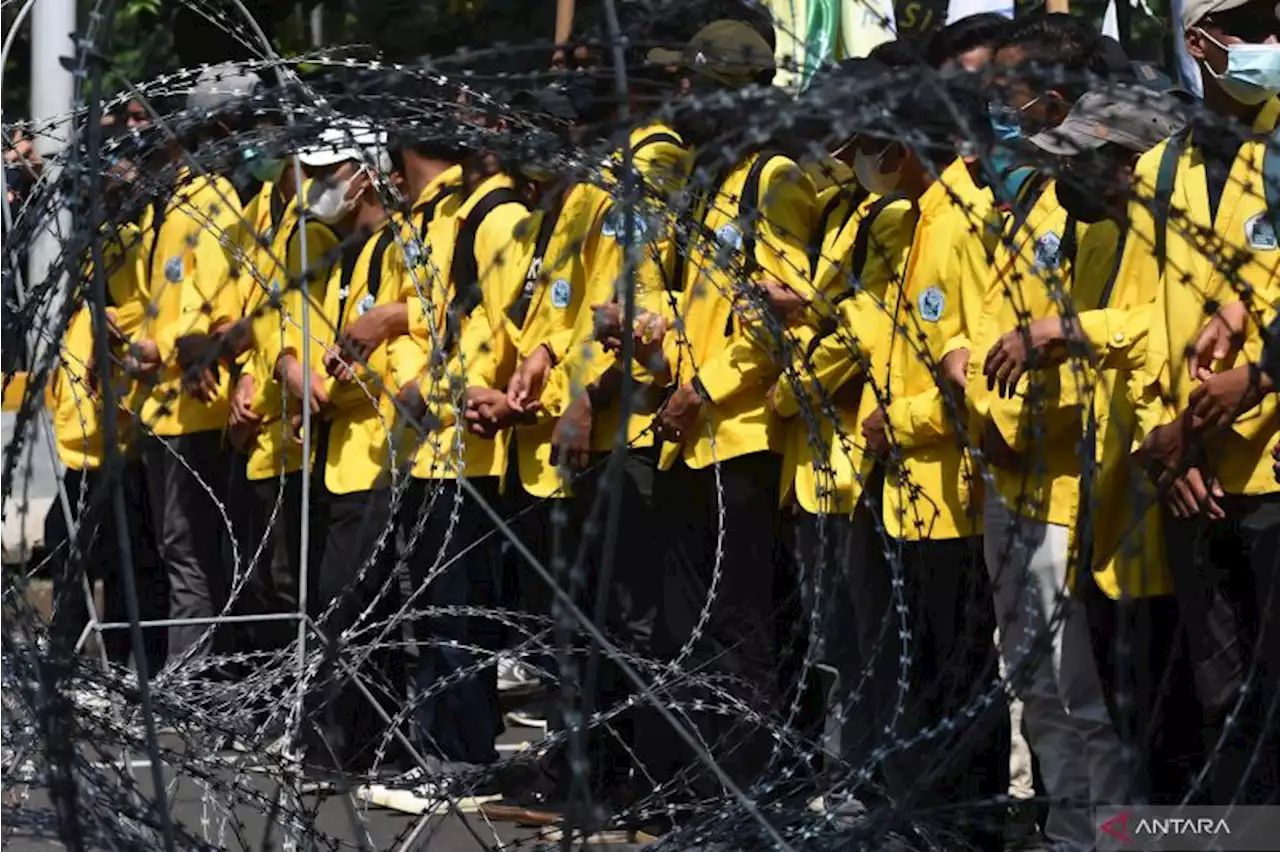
pixel 340 822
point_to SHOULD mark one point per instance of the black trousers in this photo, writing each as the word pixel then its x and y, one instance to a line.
pixel 349 590
pixel 185 477
pixel 1142 659
pixel 838 557
pixel 97 543
pixel 618 593
pixel 271 550
pixel 730 657
pixel 1224 575
pixel 949 618
pixel 452 563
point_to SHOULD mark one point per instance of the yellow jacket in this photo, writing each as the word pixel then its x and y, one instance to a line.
pixel 362 413
pixel 550 297
pixel 721 341
pixel 276 311
pixel 662 166
pixel 467 360
pixel 1241 459
pixel 75 408
pixel 860 329
pixel 1037 271
pixel 185 287
pixel 935 308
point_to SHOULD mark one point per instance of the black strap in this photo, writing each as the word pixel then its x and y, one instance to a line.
pixel 748 216
pixel 276 208
pixel 654 139
pixel 1070 243
pixel 1104 298
pixel 694 212
pixel 158 207
pixel 1029 192
pixel 857 263
pixel 1271 179
pixel 385 240
pixel 428 212
pixel 518 310
pixel 463 271
pixel 373 280
pixel 855 198
pixel 1162 203
pixel 862 242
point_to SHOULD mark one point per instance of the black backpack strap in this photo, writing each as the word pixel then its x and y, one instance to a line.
pixel 748 216
pixel 855 197
pixel 463 271
pixel 1271 179
pixel 1104 298
pixel 428 212
pixel 385 239
pixel 518 310
pixel 857 263
pixel 661 136
pixel 1162 203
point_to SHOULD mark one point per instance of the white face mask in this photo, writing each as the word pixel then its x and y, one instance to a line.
pixel 866 167
pixel 1253 71
pixel 330 204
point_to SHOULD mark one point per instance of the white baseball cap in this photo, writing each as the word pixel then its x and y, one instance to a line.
pixel 348 140
pixel 1195 11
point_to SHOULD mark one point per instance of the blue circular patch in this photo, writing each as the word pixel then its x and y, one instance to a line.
pixel 173 270
pixel 931 303
pixel 561 293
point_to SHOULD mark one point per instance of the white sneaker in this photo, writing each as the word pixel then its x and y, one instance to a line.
pixel 514 676
pixel 524 719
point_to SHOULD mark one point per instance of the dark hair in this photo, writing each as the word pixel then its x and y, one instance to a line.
pixel 960 37
pixel 1062 42
pixel 899 53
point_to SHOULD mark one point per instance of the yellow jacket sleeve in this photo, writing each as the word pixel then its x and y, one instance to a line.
pixel 836 359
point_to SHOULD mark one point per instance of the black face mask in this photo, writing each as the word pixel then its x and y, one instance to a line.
pixel 1081 202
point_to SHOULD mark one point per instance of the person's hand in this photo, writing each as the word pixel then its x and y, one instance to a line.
pixel 955 369
pixel 571 438
pixel 1008 358
pixel 676 418
pixel 296 383
pixel 242 421
pixel 143 359
pixel 771 395
pixel 1219 341
pixel 336 365
pixel 1222 397
pixel 784 301
pixel 608 325
pixel 875 433
pixel 1191 494
pixel 370 330
pixel 1163 449
pixel 488 412
pixel 649 332
pixel 527 382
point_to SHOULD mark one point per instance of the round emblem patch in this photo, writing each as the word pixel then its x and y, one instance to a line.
pixel 1048 251
pixel 365 305
pixel 729 236
pixel 561 292
pixel 1260 233
pixel 615 225
pixel 931 304
pixel 413 253
pixel 173 270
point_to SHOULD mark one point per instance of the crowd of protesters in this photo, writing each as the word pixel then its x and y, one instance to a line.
pixel 992 409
